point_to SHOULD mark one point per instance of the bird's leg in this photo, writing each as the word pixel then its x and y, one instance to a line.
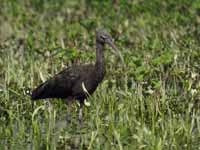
pixel 48 105
pixel 80 115
pixel 32 105
pixel 68 116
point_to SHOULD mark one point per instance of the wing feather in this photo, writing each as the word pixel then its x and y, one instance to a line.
pixel 57 87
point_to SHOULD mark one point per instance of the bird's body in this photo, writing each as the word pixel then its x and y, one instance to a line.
pixel 70 83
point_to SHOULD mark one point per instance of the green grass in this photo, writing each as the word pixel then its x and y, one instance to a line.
pixel 151 104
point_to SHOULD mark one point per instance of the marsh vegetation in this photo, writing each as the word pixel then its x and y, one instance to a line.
pixel 153 103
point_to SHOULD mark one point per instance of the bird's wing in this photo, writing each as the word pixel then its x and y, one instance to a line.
pixel 57 87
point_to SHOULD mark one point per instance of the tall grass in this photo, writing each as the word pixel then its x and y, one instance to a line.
pixel 152 103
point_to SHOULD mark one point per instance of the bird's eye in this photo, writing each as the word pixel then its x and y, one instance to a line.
pixel 103 37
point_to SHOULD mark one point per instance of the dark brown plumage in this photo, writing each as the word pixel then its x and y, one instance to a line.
pixel 69 83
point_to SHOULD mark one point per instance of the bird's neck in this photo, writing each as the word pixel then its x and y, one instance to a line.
pixel 100 59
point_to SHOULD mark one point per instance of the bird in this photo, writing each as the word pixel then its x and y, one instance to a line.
pixel 78 81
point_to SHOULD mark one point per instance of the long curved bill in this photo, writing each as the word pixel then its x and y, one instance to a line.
pixel 111 44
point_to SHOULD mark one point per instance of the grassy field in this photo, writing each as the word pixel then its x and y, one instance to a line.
pixel 153 103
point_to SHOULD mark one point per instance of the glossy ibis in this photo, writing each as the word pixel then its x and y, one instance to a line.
pixel 71 83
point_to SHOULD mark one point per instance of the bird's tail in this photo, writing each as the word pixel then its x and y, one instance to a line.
pixel 39 92
pixel 31 93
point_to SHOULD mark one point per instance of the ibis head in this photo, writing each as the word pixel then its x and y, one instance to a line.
pixel 104 38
